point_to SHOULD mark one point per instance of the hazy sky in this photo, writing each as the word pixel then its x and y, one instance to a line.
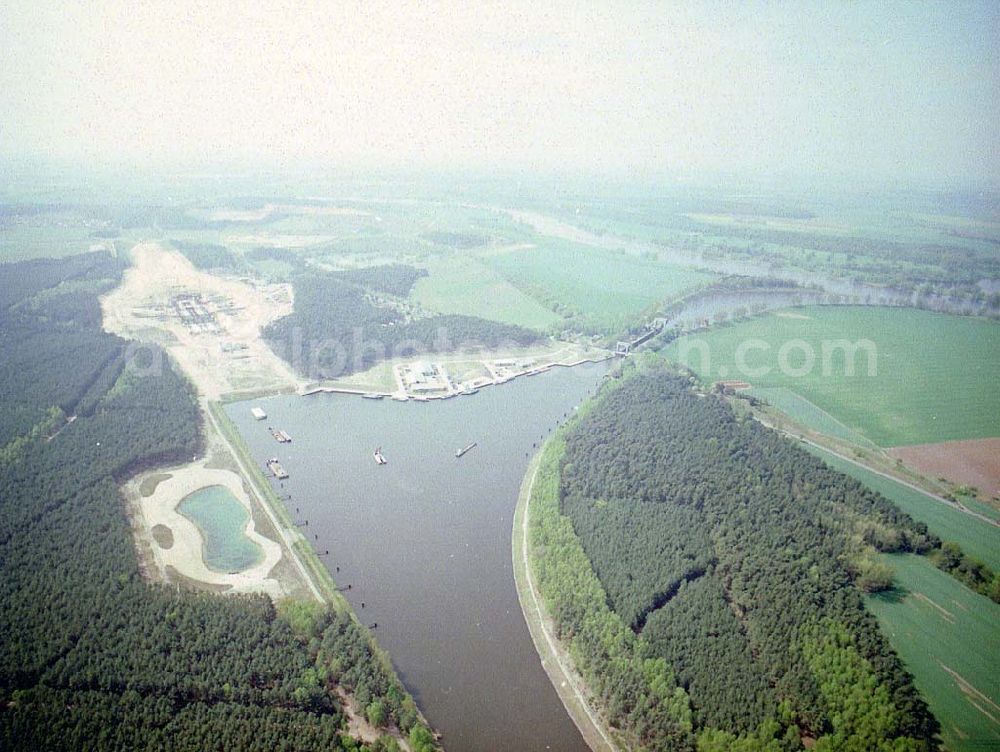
pixel 907 89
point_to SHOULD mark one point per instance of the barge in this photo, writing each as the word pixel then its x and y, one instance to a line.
pixel 276 468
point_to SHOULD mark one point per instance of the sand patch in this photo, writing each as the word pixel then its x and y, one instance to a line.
pixel 972 462
pixel 160 521
pixel 219 345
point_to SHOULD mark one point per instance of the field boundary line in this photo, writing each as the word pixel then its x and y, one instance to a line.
pixel 951 504
pixel 864 440
pixel 965 686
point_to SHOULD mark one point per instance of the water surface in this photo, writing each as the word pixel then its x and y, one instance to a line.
pixel 222 519
pixel 425 541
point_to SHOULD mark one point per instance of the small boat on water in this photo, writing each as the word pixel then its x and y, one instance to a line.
pixel 460 452
pixel 276 469
pixel 370 395
pixel 379 458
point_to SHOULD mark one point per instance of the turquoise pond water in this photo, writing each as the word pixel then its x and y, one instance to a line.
pixel 221 518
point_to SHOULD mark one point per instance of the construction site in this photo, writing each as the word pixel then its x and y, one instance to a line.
pixel 210 325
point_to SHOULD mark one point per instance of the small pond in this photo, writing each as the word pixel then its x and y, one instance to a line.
pixel 222 520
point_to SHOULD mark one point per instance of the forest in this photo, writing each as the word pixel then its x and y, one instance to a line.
pixel 343 322
pixel 50 318
pixel 715 542
pixel 93 656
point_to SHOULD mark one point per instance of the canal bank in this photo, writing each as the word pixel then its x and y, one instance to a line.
pixel 566 681
pixel 422 546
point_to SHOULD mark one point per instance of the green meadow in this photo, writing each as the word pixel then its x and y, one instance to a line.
pixel 802 410
pixel 605 290
pixel 23 243
pixel 466 286
pixel 949 639
pixel 948 636
pixel 918 377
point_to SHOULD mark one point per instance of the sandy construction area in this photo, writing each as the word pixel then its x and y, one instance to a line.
pixel 974 462
pixel 184 553
pixel 229 356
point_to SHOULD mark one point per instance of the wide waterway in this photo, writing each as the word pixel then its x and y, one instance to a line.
pixel 425 540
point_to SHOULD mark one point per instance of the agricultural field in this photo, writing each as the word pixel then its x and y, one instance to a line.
pixel 602 290
pixel 466 286
pixel 977 538
pixel 983 508
pixel 918 377
pixel 805 412
pixel 23 243
pixel 949 639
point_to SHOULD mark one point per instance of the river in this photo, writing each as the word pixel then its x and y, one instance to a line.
pixel 425 540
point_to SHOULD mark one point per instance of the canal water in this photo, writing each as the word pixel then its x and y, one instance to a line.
pixel 222 520
pixel 425 540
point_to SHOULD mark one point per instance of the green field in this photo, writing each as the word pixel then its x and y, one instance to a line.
pixel 949 639
pixel 605 289
pixel 933 621
pixel 976 537
pixel 802 410
pixel 466 286
pixel 23 243
pixel 932 376
pixel 982 507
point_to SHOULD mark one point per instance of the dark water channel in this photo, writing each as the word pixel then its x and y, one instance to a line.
pixel 425 541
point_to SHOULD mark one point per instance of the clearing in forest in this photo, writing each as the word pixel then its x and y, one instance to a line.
pixel 211 325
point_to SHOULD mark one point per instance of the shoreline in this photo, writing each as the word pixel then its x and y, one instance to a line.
pixel 558 666
pixel 450 390
pixel 186 552
pixel 323 589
